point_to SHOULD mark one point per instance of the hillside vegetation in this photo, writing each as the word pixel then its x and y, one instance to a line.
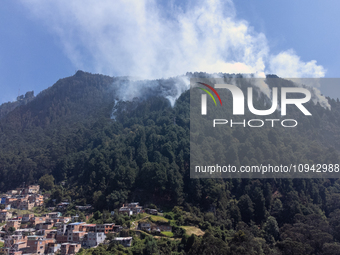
pixel 66 140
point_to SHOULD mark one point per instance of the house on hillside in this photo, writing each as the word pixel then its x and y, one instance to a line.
pixel 93 239
pixel 105 228
pixel 5 215
pixel 52 248
pixel 151 211
pixel 27 217
pixel 37 244
pixel 13 223
pixel 2 200
pixel 32 189
pixel 163 228
pixel 144 226
pixel 63 205
pixel 69 248
pixel 131 208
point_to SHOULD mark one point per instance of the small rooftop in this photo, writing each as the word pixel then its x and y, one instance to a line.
pixel 122 238
pixel 76 223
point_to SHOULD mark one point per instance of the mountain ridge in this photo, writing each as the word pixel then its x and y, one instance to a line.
pixel 67 134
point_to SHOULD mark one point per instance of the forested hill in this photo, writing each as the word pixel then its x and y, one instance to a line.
pixel 107 151
pixel 10 106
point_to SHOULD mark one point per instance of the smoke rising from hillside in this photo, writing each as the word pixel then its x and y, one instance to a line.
pixel 151 39
pixel 130 88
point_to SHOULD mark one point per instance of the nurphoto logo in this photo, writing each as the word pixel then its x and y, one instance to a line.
pixel 239 103
pixel 244 127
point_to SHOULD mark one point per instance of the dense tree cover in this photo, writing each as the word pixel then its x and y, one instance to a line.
pixel 6 108
pixel 69 141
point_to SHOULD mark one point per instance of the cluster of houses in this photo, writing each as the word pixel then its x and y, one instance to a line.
pixel 52 233
pixel 22 198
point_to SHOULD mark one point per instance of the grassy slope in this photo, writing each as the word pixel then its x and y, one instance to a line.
pixel 193 230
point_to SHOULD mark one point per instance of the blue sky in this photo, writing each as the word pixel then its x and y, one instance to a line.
pixel 43 41
pixel 308 27
pixel 31 58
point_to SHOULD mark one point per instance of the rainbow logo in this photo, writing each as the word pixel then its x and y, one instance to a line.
pixel 208 92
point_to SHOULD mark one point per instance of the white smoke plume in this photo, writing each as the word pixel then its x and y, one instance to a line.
pixel 129 89
pixel 313 84
pixel 153 39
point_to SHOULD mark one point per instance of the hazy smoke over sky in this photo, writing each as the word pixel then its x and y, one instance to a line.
pixel 152 39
